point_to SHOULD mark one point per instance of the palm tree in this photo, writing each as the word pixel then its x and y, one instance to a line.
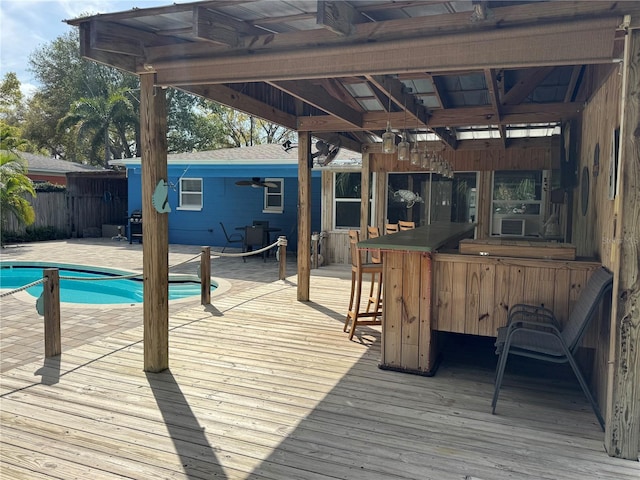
pixel 105 121
pixel 13 185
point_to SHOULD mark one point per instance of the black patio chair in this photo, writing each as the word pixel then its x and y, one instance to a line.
pixel 535 332
pixel 254 237
pixel 231 239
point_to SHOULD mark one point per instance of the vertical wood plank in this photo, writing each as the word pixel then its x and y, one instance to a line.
pixel 155 248
pixel 205 276
pixel 472 299
pixel 486 306
pixel 458 294
pixel 426 340
pixel 304 216
pixel 516 285
pixel 483 205
pixel 51 300
pixel 501 295
pixel 410 325
pixel 442 287
pixel 365 185
pixel 622 437
pixel 392 313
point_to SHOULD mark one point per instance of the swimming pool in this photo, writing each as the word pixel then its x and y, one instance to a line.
pixel 110 292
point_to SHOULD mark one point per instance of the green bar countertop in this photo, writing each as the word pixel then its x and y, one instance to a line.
pixel 421 239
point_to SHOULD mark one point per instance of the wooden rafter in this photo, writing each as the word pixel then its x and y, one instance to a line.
pixel 306 92
pixel 525 86
pixel 214 27
pixel 494 96
pixel 573 82
pixel 244 103
pixel 526 113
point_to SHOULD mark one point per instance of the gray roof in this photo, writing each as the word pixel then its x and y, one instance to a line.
pixel 263 153
pixel 271 153
pixel 44 164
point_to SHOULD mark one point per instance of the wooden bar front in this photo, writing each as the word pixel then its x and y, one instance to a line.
pixel 426 291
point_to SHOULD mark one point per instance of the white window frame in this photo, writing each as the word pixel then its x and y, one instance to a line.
pixel 194 194
pixel 267 194
pixel 334 201
pixel 533 220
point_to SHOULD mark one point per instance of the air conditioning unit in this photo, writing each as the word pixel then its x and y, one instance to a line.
pixel 512 227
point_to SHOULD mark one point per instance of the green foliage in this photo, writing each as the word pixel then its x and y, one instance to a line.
pixel 108 122
pixel 49 187
pixel 33 234
pixel 11 99
pixel 88 113
pixel 13 185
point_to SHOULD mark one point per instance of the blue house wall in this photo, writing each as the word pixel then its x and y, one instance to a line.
pixel 226 202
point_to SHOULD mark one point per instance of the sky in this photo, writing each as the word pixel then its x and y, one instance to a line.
pixel 26 25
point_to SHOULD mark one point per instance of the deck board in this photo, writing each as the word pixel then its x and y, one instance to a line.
pixel 261 386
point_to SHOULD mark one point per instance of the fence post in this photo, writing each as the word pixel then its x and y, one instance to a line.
pixel 282 255
pixel 51 300
pixel 205 276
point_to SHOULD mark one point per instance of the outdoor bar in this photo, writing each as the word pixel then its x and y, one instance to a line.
pixel 430 286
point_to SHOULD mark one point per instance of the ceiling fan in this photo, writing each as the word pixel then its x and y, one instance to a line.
pixel 326 150
pixel 255 182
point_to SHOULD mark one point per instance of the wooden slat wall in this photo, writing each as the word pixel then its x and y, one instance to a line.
pixel 592 233
pixel 532 154
pixel 50 209
pixel 473 294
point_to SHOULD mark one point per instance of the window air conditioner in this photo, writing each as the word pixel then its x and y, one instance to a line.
pixel 512 226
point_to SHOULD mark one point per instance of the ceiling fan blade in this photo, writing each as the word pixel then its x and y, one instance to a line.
pixel 244 183
pixel 270 184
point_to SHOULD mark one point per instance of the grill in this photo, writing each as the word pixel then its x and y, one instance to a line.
pixel 135 226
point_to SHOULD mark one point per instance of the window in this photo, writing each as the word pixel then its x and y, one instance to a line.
pixel 427 198
pixel 274 196
pixel 518 195
pixel 347 199
pixel 190 194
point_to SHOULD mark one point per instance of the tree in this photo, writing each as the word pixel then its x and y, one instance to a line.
pixel 13 185
pixel 11 100
pixel 104 120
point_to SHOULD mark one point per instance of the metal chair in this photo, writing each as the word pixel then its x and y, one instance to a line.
pixel 254 237
pixel 358 269
pixel 231 239
pixel 535 332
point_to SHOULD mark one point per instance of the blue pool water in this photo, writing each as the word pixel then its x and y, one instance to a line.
pixel 89 292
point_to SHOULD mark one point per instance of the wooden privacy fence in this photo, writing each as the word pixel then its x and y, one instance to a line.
pixel 50 209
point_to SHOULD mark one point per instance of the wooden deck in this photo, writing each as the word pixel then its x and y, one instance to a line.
pixel 264 387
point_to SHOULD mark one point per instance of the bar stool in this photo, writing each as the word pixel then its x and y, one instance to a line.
pixel 376 257
pixel 358 269
pixel 404 225
pixel 390 228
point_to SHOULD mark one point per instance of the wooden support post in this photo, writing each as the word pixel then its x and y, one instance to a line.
pixel 205 276
pixel 155 248
pixel 282 257
pixel 622 433
pixel 51 299
pixel 304 215
pixel 364 195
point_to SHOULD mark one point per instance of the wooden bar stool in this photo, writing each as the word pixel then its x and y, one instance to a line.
pixel 376 279
pixel 404 225
pixel 390 228
pixel 358 269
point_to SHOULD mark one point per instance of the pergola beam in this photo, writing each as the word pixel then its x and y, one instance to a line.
pixel 584 42
pixel 458 117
